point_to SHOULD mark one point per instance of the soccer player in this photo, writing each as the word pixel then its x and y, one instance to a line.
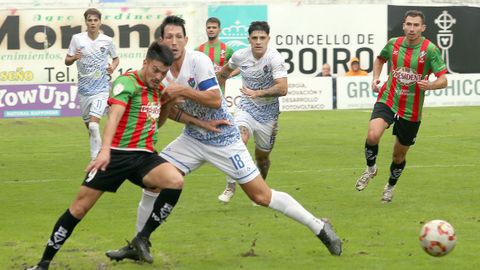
pixel 215 49
pixel 192 79
pixel 400 100
pixel 127 153
pixel 264 78
pixel 90 50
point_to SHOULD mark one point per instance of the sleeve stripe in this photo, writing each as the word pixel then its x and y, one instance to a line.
pixel 208 84
pixel 116 101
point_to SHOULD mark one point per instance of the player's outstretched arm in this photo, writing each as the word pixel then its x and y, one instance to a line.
pixel 103 158
pixel 180 116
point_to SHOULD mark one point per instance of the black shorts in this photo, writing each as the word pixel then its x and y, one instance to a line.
pixel 131 165
pixel 406 131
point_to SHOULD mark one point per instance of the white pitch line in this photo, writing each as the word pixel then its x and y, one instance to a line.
pixel 273 172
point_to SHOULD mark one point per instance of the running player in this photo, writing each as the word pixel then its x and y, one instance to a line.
pixel 127 153
pixel 264 78
pixel 192 78
pixel 90 50
pixel 400 100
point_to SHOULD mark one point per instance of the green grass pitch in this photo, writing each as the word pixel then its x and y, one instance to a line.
pixel 317 158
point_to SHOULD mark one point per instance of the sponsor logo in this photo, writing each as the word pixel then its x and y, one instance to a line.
pixel 406 76
pixel 118 89
pixel 152 110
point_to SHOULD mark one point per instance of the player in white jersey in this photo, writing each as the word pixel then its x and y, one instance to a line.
pixel 193 80
pixel 90 50
pixel 264 79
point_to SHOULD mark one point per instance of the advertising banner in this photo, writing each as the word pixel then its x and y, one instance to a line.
pixel 235 20
pixel 34 43
pixel 38 100
pixel 462 90
pixel 310 35
pixel 304 94
pixel 452 28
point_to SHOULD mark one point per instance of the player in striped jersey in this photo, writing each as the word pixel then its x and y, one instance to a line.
pixel 192 78
pixel 127 153
pixel 215 49
pixel 400 100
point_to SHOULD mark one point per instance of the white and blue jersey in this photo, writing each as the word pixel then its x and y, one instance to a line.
pixel 197 72
pixel 258 74
pixel 93 63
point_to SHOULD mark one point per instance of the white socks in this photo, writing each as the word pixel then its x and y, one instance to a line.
pixel 231 181
pixel 95 139
pixel 286 204
pixel 281 202
pixel 372 169
pixel 145 207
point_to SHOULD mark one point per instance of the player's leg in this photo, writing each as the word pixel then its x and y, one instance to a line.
pixel 185 157
pixel 406 133
pixel 97 105
pixel 265 135
pixel 66 223
pixel 243 120
pixel 382 117
pixel 169 180
pixel 259 192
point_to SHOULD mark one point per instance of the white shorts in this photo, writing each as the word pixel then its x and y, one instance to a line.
pixel 95 105
pixel 264 134
pixel 187 154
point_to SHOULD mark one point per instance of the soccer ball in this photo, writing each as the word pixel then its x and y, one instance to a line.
pixel 437 238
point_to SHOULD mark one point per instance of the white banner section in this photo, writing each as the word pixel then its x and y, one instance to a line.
pixel 462 90
pixel 304 94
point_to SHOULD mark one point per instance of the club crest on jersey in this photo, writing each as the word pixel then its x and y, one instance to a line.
pixel 152 110
pixel 406 76
pixel 102 49
pixel 191 82
pixel 422 56
pixel 266 69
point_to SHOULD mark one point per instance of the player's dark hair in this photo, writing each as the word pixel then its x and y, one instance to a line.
pixel 92 11
pixel 175 20
pixel 259 26
pixel 213 20
pixel 414 13
pixel 160 53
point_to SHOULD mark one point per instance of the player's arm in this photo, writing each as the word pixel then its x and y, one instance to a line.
pixel 224 74
pixel 440 83
pixel 208 94
pixel 111 67
pixel 279 89
pixel 74 53
pixel 180 116
pixel 377 70
pixel 103 158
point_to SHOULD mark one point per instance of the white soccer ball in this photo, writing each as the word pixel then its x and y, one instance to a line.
pixel 437 238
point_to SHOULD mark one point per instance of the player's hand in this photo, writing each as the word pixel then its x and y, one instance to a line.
pixel 174 89
pixel 249 92
pixel 213 125
pixel 101 162
pixel 424 85
pixel 375 84
pixel 110 69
